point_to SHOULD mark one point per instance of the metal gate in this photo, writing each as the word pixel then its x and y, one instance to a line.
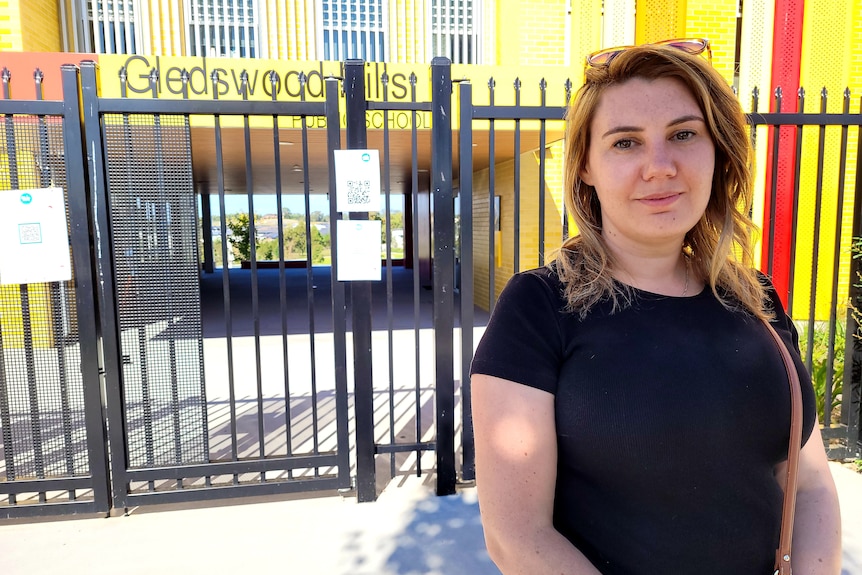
pixel 830 342
pixel 53 438
pixel 194 418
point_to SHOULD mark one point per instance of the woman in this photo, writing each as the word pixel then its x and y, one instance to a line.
pixel 631 411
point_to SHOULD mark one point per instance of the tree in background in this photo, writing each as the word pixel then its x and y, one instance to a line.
pixel 240 238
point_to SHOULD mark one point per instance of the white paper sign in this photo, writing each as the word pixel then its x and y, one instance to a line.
pixel 357 180
pixel 34 238
pixel 358 250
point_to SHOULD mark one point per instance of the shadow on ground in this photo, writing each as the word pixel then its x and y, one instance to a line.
pixel 444 536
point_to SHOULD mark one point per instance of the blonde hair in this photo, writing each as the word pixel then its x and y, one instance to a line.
pixel 720 246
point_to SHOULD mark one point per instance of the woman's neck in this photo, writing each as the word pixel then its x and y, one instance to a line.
pixel 663 271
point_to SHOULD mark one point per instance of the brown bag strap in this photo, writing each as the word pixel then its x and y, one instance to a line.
pixel 782 554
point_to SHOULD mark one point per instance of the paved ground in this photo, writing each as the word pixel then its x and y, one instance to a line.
pixel 408 531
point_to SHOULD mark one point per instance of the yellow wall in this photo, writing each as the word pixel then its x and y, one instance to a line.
pixel 504 178
pixel 715 20
pixel 659 20
pixel 539 25
pixel 41 316
pixel 826 25
pixel 30 25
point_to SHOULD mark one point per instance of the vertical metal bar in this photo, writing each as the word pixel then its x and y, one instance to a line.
pixel 282 279
pixel 207 230
pixel 818 208
pixel 465 196
pixel 516 216
pixel 255 289
pixel 339 307
pixel 57 291
pixel 5 418
pixel 795 210
pixel 228 315
pixel 417 325
pixel 163 235
pixel 836 262
pixel 851 408
pixel 11 146
pixel 384 79
pixel 99 206
pixel 543 143
pixel 492 177
pixel 444 270
pixel 309 278
pixel 366 486
pixel 565 234
pixel 776 137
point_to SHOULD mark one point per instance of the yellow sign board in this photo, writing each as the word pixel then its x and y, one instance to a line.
pixel 202 78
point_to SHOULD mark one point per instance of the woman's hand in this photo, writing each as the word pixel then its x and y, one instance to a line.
pixel 516 468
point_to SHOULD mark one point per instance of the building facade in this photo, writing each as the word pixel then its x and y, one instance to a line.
pixel 763 44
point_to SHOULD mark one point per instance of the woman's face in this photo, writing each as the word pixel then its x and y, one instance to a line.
pixel 651 160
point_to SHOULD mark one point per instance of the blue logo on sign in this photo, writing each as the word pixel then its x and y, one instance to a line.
pixel 26 198
pixel 366 157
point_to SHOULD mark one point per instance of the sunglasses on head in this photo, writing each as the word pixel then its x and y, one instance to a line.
pixel 692 46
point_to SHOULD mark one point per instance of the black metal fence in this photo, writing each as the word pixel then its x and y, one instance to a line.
pixel 826 338
pixel 223 382
pixel 53 431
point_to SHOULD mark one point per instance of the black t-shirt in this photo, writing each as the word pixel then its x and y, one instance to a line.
pixel 671 415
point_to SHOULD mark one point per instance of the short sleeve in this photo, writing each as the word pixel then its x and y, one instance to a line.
pixel 523 341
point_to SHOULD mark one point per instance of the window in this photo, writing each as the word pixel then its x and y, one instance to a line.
pixel 111 26
pixel 222 28
pixel 354 29
pixel 455 31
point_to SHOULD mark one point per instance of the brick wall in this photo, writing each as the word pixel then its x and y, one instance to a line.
pixel 40 26
pixel 715 20
pixel 504 178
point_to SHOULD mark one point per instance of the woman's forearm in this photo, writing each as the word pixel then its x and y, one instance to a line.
pixel 817 532
pixel 546 551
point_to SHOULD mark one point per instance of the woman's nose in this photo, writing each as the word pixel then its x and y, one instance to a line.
pixel 659 162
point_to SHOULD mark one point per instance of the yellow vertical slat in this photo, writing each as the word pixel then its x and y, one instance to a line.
pixel 755 71
pixel 659 20
pixel 828 24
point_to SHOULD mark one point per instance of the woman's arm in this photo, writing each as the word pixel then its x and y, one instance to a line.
pixel 516 468
pixel 817 524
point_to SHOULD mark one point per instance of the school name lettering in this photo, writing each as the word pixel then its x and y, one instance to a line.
pixel 285 83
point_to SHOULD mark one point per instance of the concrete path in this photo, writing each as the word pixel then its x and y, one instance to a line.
pixel 408 531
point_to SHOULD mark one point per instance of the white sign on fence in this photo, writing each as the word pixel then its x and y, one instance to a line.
pixel 358 250
pixel 34 237
pixel 357 180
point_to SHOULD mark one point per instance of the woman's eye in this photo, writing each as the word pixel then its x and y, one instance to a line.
pixel 623 144
pixel 684 135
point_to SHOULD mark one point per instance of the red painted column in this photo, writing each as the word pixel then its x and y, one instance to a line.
pixel 786 63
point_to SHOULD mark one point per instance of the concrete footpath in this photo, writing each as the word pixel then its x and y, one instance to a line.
pixel 408 531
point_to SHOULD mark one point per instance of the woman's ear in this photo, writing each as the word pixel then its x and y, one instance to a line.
pixel 584 174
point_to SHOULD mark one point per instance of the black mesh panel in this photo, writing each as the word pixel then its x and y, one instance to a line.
pixel 41 389
pixel 153 227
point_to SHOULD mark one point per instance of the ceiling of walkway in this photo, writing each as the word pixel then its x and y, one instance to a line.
pixel 261 156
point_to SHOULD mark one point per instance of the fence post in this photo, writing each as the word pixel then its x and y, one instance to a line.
pixel 360 295
pixel 85 292
pixel 443 270
pixel 104 278
pixel 852 402
pixel 465 197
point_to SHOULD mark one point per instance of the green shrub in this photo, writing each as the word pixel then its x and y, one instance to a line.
pixel 819 366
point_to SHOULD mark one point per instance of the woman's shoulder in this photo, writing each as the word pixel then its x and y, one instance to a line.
pixel 543 279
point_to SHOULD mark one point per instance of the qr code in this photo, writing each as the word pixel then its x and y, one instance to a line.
pixel 358 192
pixel 30 233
